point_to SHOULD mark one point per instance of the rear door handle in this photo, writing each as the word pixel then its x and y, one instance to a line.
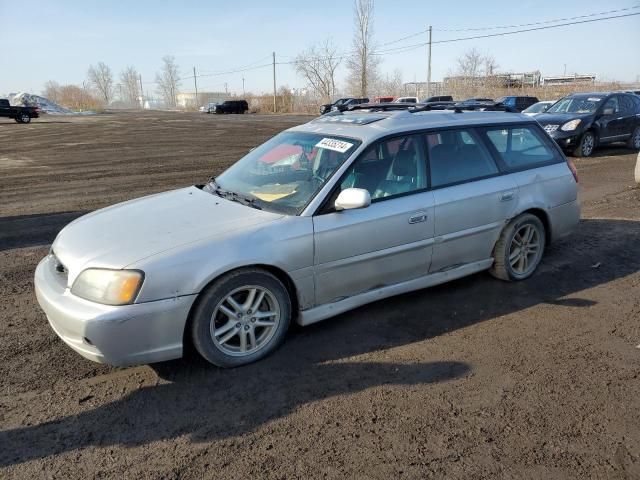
pixel 418 217
pixel 506 196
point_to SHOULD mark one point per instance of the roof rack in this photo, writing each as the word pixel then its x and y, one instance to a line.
pixel 459 107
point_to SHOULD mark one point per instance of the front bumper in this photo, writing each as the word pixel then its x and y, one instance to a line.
pixel 118 335
pixel 566 140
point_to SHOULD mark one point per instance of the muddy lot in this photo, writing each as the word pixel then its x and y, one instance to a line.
pixel 473 379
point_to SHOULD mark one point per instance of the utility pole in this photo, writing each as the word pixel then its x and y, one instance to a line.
pixel 274 82
pixel 565 70
pixel 195 84
pixel 141 92
pixel 429 66
pixel 226 92
pixel 243 87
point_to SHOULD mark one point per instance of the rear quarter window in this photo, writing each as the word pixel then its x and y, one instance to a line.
pixel 521 147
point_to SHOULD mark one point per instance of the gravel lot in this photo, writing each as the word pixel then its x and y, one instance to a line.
pixel 473 379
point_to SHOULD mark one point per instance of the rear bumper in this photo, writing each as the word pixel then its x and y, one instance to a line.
pixel 564 219
pixel 117 335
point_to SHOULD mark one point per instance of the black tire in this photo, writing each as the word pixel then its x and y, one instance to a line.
pixel 17 119
pixel 502 267
pixel 216 295
pixel 586 145
pixel 634 139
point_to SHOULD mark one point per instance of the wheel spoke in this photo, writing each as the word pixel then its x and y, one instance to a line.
pixel 533 247
pixel 521 263
pixel 227 311
pixel 525 262
pixel 515 260
pixel 249 301
pixel 256 304
pixel 235 305
pixel 264 314
pixel 243 340
pixel 229 336
pixel 514 255
pixel 225 328
pixel 265 323
pixel 252 339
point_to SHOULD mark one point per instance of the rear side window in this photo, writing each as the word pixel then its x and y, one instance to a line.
pixel 457 156
pixel 521 147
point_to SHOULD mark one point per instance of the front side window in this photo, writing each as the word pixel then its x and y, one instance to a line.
pixel 286 172
pixel 389 168
pixel 612 106
pixel 457 156
pixel 520 147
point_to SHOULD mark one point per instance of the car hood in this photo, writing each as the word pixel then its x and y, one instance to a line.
pixel 559 118
pixel 122 234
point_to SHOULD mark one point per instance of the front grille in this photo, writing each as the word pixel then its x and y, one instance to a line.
pixel 551 128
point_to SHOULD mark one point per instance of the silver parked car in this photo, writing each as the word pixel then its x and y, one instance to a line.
pixel 344 210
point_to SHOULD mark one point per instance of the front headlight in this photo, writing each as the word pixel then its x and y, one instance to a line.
pixel 109 287
pixel 570 126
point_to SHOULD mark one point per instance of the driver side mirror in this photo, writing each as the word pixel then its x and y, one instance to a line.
pixel 351 198
pixel 607 111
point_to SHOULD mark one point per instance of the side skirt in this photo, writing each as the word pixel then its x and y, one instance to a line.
pixel 327 310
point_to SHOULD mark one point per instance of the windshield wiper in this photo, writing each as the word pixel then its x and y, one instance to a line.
pixel 247 200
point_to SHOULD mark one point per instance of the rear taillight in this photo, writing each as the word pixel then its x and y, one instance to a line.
pixel 573 169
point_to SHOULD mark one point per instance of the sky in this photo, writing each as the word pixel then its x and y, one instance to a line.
pixel 46 40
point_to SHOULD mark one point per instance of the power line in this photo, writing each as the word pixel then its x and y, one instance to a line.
pixel 471 29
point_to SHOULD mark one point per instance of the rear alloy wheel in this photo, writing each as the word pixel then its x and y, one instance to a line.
pixel 24 118
pixel 519 249
pixel 634 140
pixel 586 146
pixel 241 318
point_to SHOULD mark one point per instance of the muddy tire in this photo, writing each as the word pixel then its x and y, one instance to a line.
pixel 241 318
pixel 519 249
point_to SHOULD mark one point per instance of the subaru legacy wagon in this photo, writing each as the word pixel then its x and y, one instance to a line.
pixel 350 208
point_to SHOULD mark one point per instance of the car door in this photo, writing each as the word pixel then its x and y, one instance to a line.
pixel 628 116
pixel 610 120
pixel 472 198
pixel 389 241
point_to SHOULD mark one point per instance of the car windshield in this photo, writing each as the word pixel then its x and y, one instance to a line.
pixel 576 105
pixel 536 108
pixel 285 173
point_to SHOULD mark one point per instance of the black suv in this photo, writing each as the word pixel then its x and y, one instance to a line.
pixel 581 121
pixel 341 104
pixel 230 106
pixel 517 103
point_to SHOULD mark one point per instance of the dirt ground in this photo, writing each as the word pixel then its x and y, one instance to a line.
pixel 473 379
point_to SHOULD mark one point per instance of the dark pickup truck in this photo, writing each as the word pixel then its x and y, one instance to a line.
pixel 19 114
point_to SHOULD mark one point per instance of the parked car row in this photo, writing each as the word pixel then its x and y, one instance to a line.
pixel 579 122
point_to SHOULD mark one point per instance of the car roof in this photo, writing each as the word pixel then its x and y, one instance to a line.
pixel 368 126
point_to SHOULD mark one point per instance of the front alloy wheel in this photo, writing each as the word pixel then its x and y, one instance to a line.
pixel 586 146
pixel 245 320
pixel 242 317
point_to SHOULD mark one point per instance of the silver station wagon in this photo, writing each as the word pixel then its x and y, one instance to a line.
pixel 324 217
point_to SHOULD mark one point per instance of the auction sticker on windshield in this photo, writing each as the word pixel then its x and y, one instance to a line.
pixel 594 99
pixel 335 145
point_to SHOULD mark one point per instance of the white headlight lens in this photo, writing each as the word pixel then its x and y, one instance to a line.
pixel 571 125
pixel 109 287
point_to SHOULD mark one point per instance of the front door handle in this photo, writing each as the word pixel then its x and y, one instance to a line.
pixel 507 196
pixel 418 217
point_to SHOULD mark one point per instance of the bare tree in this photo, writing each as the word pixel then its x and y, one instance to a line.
pixel 131 87
pixel 168 80
pixel 474 63
pixel 390 84
pixel 363 64
pixel 318 65
pixel 101 79
pixel 52 91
